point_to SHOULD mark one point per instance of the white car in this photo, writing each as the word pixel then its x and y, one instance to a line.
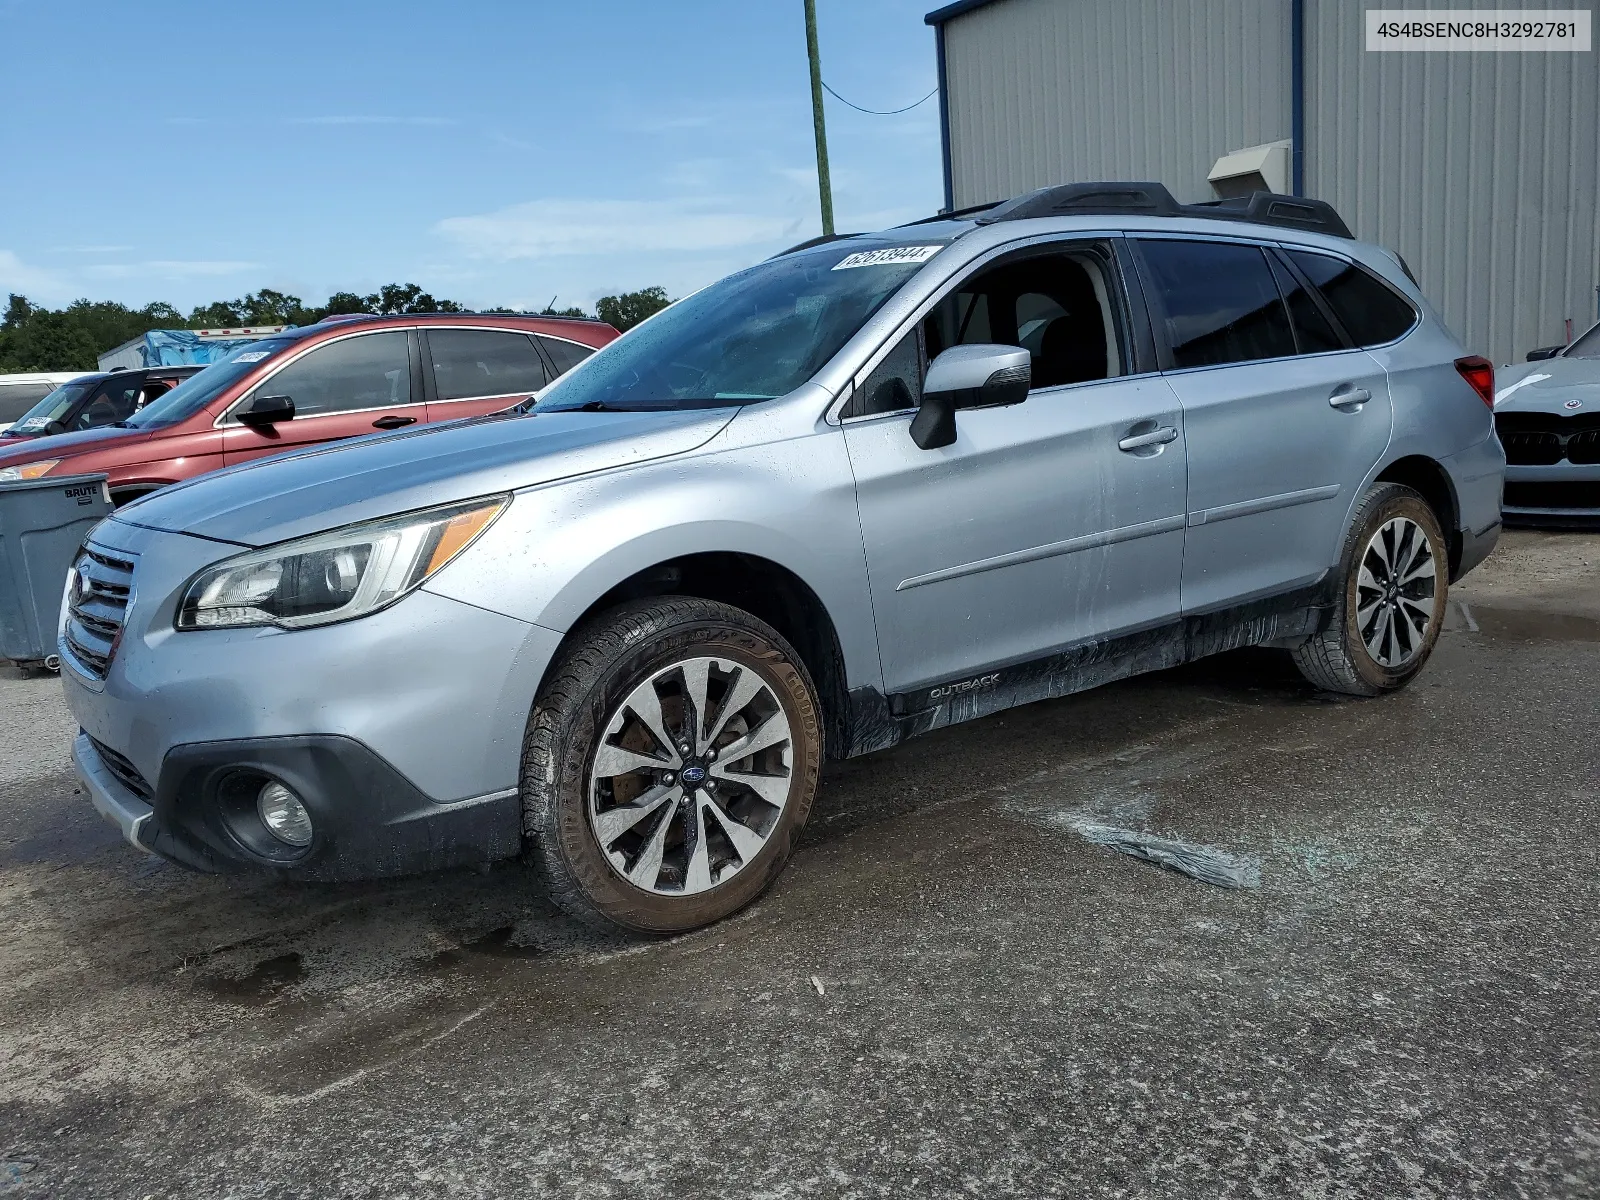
pixel 1547 413
pixel 19 393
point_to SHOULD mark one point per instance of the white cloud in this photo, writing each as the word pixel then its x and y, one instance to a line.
pixel 543 228
pixel 33 282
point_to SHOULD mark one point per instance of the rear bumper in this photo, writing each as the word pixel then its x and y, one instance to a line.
pixel 1478 477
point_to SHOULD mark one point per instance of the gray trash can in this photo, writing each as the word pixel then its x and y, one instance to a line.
pixel 43 522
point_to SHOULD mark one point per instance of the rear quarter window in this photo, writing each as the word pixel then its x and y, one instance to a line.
pixel 1371 312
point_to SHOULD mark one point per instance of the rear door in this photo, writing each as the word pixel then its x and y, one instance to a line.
pixel 477 371
pixel 1283 420
pixel 358 384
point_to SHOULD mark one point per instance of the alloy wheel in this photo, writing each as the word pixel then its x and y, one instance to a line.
pixel 1396 592
pixel 691 776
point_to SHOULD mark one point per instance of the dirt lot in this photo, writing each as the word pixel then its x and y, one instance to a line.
pixel 951 992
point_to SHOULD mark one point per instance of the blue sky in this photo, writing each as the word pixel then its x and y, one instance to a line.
pixel 493 151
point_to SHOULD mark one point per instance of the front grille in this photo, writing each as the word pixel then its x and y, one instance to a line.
pixel 127 774
pixel 1584 448
pixel 97 603
pixel 1536 439
pixel 1553 495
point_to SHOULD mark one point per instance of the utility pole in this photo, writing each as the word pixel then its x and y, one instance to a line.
pixel 824 185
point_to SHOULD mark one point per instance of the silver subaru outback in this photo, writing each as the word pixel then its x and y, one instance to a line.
pixel 871 487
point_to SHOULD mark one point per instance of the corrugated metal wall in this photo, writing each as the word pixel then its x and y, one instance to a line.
pixel 1052 91
pixel 1482 170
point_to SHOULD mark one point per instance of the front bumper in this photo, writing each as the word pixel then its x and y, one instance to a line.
pixel 401 731
pixel 1563 494
pixel 368 819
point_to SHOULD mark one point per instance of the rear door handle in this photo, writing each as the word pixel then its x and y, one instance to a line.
pixel 1349 397
pixel 393 422
pixel 1156 437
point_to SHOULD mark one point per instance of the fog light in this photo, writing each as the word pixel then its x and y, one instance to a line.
pixel 283 815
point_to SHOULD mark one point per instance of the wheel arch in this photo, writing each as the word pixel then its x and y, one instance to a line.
pixel 1429 479
pixel 766 589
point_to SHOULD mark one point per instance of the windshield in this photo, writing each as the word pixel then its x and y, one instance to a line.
pixel 204 386
pixel 751 337
pixel 1588 346
pixel 54 406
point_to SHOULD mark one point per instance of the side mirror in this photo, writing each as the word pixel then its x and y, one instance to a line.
pixel 977 376
pixel 267 410
pixel 1544 352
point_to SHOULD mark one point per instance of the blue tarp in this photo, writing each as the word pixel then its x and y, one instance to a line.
pixel 177 347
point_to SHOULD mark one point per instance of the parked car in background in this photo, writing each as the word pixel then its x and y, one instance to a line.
pixel 19 393
pixel 1547 412
pixel 340 378
pixel 841 498
pixel 95 400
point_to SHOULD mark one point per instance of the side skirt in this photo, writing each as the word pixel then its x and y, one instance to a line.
pixel 877 722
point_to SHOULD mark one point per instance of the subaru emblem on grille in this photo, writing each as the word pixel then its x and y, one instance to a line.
pixel 1574 403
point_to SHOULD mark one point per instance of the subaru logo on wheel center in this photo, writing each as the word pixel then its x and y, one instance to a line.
pixel 693 775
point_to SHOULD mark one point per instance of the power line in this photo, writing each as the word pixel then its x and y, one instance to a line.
pixel 874 112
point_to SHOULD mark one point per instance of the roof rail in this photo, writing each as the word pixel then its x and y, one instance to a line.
pixel 1273 208
pixel 1154 200
pixel 334 318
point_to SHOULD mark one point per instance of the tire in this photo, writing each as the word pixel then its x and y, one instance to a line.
pixel 677 855
pixel 1353 654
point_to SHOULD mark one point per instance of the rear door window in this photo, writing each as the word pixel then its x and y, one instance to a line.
pixel 372 370
pixel 484 362
pixel 564 354
pixel 1371 312
pixel 1215 302
pixel 1313 334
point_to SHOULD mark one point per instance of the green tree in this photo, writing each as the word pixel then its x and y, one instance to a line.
pixel 46 341
pixel 395 298
pixel 627 310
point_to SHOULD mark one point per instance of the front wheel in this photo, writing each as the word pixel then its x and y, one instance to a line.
pixel 1391 604
pixel 670 760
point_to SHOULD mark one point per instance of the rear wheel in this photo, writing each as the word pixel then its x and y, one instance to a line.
pixel 1391 606
pixel 670 760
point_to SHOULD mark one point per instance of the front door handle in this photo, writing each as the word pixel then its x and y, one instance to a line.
pixel 393 422
pixel 1347 398
pixel 1156 437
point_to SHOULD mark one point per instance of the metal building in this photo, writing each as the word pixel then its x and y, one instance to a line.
pixel 1481 169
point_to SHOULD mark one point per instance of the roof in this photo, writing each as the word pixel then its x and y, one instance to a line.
pixel 940 15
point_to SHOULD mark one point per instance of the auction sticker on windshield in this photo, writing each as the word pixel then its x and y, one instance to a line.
pixel 888 257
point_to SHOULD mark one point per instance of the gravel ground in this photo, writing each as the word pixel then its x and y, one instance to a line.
pixel 951 991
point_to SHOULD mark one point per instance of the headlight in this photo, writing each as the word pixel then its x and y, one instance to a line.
pixel 334 576
pixel 31 470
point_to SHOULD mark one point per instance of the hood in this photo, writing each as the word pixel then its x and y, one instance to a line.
pixel 308 491
pixel 27 449
pixel 1548 386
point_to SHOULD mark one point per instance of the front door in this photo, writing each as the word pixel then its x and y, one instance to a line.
pixel 1046 523
pixel 1283 422
pixel 359 384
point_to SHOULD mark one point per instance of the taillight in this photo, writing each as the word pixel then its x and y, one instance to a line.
pixel 1479 372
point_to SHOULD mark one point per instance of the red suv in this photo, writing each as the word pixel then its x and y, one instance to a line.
pixel 340 378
